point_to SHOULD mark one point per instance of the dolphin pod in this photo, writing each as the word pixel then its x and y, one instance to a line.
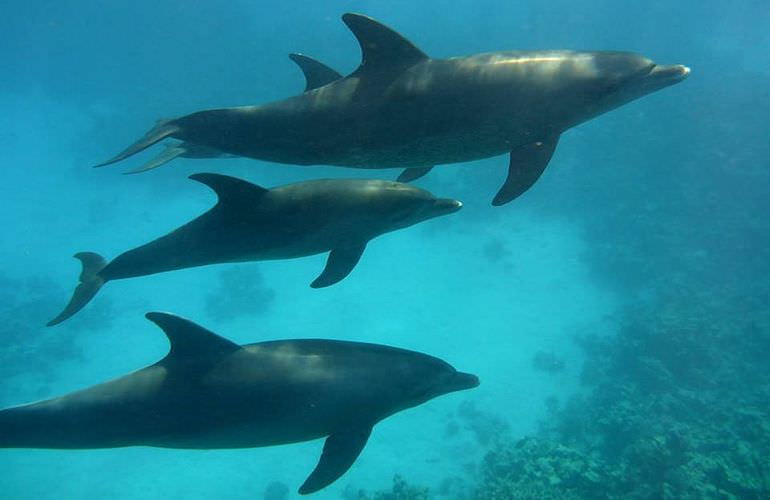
pixel 250 223
pixel 209 392
pixel 400 108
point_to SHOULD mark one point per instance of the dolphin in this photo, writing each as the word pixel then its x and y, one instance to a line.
pixel 400 108
pixel 209 392
pixel 317 74
pixel 251 223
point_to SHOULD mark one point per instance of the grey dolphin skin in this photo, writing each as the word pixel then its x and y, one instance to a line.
pixel 251 223
pixel 401 108
pixel 209 392
pixel 316 73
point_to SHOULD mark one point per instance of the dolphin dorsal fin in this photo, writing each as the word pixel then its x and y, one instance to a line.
pixel 382 49
pixel 189 340
pixel 317 74
pixel 232 192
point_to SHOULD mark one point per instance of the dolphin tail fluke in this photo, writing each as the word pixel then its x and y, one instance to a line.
pixel 90 283
pixel 158 133
pixel 172 151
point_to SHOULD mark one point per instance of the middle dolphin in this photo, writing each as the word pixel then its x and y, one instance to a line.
pixel 251 223
pixel 401 108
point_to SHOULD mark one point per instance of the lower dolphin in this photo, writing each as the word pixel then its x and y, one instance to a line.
pixel 209 392
pixel 251 223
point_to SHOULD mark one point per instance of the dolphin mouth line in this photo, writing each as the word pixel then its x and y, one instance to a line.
pixel 467 381
pixel 450 205
pixel 674 72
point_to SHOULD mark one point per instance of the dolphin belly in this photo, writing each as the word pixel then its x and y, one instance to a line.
pixel 194 420
pixel 253 434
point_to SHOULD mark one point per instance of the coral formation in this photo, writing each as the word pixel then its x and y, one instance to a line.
pixel 401 490
pixel 486 427
pixel 540 469
pixel 676 409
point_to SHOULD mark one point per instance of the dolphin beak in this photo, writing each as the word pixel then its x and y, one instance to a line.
pixel 448 205
pixel 463 381
pixel 671 74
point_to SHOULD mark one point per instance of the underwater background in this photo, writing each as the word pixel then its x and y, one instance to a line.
pixel 616 314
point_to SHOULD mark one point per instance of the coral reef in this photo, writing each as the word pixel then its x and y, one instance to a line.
pixel 540 469
pixel 677 408
pixel 401 490
pixel 486 427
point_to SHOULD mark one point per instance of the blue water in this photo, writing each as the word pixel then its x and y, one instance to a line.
pixel 666 194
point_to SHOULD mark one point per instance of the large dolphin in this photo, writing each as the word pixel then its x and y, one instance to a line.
pixel 401 108
pixel 251 223
pixel 209 392
pixel 317 74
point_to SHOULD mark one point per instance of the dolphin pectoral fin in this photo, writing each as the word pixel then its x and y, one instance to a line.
pixel 382 48
pixel 232 192
pixel 339 264
pixel 411 174
pixel 340 451
pixel 526 165
pixel 90 283
pixel 162 130
pixel 172 151
pixel 189 340
pixel 317 74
